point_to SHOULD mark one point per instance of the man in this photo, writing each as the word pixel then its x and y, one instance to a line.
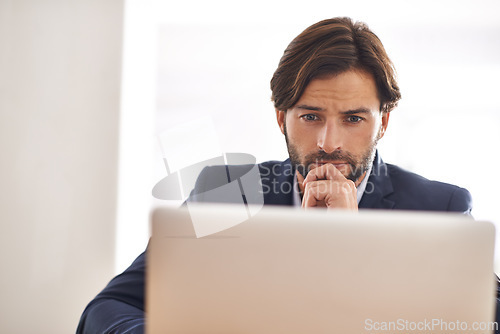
pixel 333 93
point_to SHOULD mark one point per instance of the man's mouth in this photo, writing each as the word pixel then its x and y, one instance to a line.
pixel 336 164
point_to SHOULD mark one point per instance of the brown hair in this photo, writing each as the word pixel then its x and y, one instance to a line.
pixel 328 48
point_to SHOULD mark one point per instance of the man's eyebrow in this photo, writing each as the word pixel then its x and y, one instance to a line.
pixel 311 108
pixel 356 111
pixel 361 110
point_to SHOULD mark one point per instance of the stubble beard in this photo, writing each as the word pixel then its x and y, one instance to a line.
pixel 357 165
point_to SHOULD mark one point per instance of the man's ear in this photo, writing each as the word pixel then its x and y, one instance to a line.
pixel 280 117
pixel 385 122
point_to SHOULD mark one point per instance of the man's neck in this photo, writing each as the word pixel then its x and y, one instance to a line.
pixel 361 178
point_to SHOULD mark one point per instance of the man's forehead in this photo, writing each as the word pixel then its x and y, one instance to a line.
pixel 343 83
pixel 351 90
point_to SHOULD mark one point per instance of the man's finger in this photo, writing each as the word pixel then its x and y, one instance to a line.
pixel 331 194
pixel 324 172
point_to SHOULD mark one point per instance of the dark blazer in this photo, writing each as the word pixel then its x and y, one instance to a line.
pixel 119 307
pixel 388 187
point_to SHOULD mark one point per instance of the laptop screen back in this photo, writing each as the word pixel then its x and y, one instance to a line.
pixel 293 271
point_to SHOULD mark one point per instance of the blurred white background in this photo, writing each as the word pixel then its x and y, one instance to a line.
pixel 216 59
pixel 87 86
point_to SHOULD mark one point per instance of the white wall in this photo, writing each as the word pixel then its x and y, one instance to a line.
pixel 60 64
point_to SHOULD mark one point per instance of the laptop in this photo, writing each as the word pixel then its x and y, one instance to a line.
pixel 286 270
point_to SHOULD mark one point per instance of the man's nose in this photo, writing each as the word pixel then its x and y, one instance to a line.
pixel 329 138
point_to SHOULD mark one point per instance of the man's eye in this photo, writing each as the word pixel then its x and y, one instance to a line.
pixel 310 117
pixel 354 119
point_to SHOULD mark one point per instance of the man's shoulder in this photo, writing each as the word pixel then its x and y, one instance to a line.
pixel 234 171
pixel 402 177
pixel 270 181
pixel 411 190
pixel 275 168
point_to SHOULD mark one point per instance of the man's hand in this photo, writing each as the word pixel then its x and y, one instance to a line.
pixel 325 186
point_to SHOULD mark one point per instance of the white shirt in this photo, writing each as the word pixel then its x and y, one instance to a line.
pixel 359 191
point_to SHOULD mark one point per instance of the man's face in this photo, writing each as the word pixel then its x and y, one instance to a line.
pixel 337 120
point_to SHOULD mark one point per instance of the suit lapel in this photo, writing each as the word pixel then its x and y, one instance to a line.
pixel 379 186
